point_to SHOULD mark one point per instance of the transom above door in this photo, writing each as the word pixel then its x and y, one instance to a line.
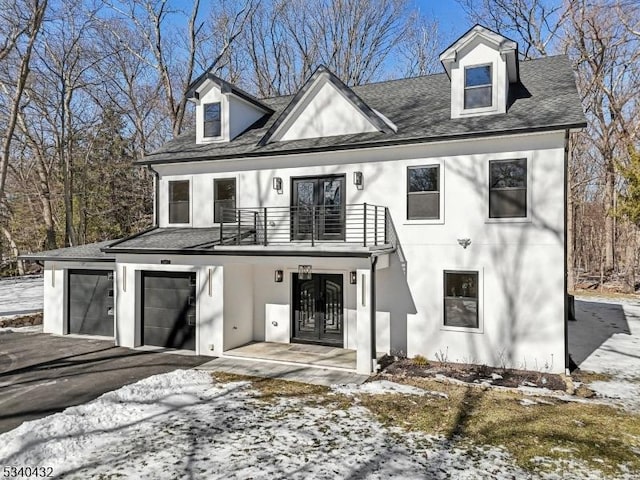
pixel 318 315
pixel 318 208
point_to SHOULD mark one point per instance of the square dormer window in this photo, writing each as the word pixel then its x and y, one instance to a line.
pixel 478 87
pixel 212 123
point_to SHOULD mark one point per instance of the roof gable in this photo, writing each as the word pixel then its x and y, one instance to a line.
pixel 479 34
pixel 325 107
pixel 204 82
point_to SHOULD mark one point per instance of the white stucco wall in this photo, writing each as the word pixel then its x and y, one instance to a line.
pixel 238 305
pixel 236 114
pixel 323 112
pixel 55 309
pixel 475 54
pixel 520 260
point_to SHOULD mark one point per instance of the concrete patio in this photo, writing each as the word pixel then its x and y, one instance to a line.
pixel 313 355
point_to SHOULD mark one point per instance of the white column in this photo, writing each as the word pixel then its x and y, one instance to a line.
pixel 54 295
pixel 127 306
pixel 211 310
pixel 364 355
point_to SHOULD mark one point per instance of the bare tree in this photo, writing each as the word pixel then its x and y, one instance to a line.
pixel 535 23
pixel 288 39
pixel 22 37
pixel 418 51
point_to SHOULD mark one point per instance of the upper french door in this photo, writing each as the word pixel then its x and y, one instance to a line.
pixel 318 208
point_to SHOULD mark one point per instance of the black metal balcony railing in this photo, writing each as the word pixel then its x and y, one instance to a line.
pixel 363 224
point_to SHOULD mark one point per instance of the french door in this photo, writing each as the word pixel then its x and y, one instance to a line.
pixel 318 315
pixel 317 208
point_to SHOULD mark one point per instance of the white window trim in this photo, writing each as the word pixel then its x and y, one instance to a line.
pixel 486 189
pixel 425 221
pixel 213 194
pixel 464 268
pixel 494 91
pixel 180 179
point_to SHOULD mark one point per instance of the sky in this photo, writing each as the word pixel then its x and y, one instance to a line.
pixel 451 17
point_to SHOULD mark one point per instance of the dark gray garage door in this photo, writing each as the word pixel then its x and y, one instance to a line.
pixel 169 311
pixel 91 302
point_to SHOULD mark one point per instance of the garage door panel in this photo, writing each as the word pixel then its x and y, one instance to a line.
pixel 173 299
pixel 175 281
pixel 166 317
pixel 169 337
pixel 91 302
pixel 168 314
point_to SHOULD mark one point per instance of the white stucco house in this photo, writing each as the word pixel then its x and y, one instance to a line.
pixel 421 216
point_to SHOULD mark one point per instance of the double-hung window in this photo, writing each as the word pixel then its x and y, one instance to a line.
pixel 212 124
pixel 423 192
pixel 179 201
pixel 461 299
pixel 508 188
pixel 478 87
pixel 224 200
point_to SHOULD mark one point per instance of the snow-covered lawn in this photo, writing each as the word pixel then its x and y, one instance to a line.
pixel 21 295
pixel 185 425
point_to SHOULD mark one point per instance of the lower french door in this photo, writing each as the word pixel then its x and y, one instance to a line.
pixel 318 309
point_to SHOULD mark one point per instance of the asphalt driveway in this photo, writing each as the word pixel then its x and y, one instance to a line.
pixel 41 374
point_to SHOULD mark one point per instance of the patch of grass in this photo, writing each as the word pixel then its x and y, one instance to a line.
pixel 604 294
pixel 420 361
pixel 273 389
pixel 586 376
pixel 558 430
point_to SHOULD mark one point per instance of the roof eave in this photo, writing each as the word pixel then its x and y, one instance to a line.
pixel 391 141
pixel 46 258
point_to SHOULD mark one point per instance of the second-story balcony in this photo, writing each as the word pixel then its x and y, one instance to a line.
pixel 362 224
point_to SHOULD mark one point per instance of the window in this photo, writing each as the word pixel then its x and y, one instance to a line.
pixel 461 299
pixel 179 201
pixel 212 125
pixel 224 196
pixel 508 188
pixel 478 90
pixel 423 192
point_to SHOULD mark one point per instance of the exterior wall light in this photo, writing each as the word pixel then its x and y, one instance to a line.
pixel 464 242
pixel 304 272
pixel 353 277
pixel 358 180
pixel 277 184
pixel 279 276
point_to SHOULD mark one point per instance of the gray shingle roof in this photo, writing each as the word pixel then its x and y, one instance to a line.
pixel 547 99
pixel 89 252
pixel 171 239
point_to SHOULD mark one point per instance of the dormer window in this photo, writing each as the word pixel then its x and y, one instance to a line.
pixel 482 66
pixel 478 87
pixel 212 124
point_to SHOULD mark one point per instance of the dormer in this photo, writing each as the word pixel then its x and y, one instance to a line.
pixel 481 65
pixel 223 111
pixel 326 107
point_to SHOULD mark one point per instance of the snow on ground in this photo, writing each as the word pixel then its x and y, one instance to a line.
pixel 619 392
pixel 181 425
pixel 606 336
pixel 381 387
pixel 606 339
pixel 19 296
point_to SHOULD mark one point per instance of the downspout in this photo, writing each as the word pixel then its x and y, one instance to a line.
pixel 566 266
pixel 374 355
pixel 156 191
